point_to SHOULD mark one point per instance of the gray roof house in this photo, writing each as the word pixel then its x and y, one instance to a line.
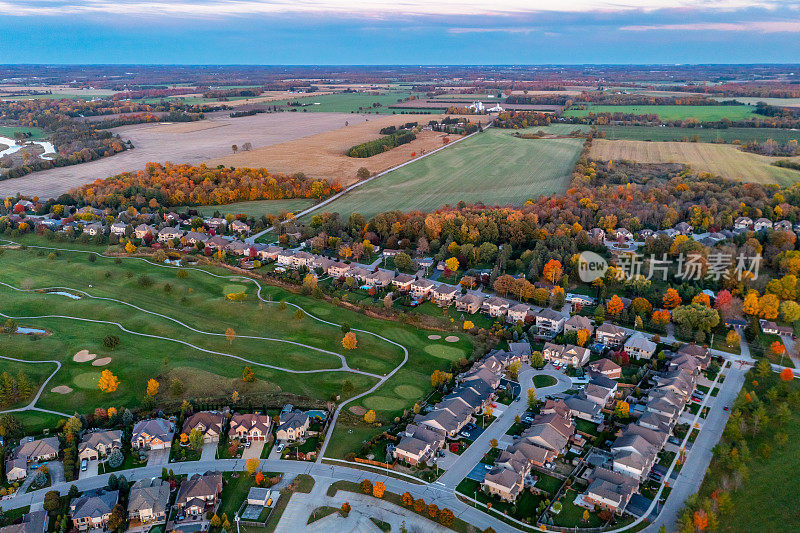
pixel 148 501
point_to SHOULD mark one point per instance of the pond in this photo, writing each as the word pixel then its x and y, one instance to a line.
pixel 13 147
pixel 67 294
pixel 30 331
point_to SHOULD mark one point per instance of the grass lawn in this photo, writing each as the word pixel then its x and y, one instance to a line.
pixel 347 102
pixel 703 113
pixel 492 167
pixel 256 208
pixel 586 427
pixel 36 133
pixel 571 515
pixel 548 483
pixel 198 301
pixel 657 133
pixel 321 512
pixel 542 380
pixel 35 372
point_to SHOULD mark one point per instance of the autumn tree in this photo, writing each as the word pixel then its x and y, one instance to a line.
pixel 378 489
pixel 614 305
pixel 552 271
pixel 366 486
pixel 702 299
pixel 345 508
pixel 349 341
pixel 407 499
pixel 531 398
pixel 152 387
pixel 468 325
pixel 108 382
pixel 248 376
pixel 732 339
pixel 251 465
pixel 671 299
pixel 369 417
pixel 452 264
pixel 622 409
pixel 439 377
pixel 777 348
pixel 230 334
pixel 787 374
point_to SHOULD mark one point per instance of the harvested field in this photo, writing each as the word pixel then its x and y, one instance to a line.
pixel 323 155
pixel 728 135
pixel 193 143
pixel 702 113
pixel 722 159
pixel 492 167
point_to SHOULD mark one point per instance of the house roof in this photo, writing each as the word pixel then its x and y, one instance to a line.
pixel 579 322
pixel 549 314
pixel 640 342
pixel 199 486
pixel 208 419
pixel 149 494
pixel 293 420
pixel 94 504
pixel 96 438
pixel 605 365
pixel 37 448
pixel 33 522
pixel 155 427
pixel 608 328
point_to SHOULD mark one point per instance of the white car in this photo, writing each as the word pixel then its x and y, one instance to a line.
pixel 280 447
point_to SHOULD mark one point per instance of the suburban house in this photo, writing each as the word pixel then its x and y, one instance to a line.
pixel 496 306
pixel 167 234
pixel 762 224
pixel 99 444
pixel 569 355
pixel 267 253
pixel 118 229
pixel 503 482
pixel 209 423
pixel 199 494
pixel 608 490
pixel 148 501
pixel 152 434
pixel 16 469
pixel 577 323
pixel 216 223
pixel 469 303
pixel 518 313
pixel 633 455
pixel 606 367
pixel 33 522
pixel 684 228
pixel 443 294
pixel 421 288
pixel 782 225
pixel 584 409
pixel 418 444
pixel 284 257
pixel 549 322
pixel 193 237
pixel 251 427
pixel 380 278
pixel 238 226
pixel 93 509
pixel 610 335
pixel 31 452
pixel 293 426
pixel 403 281
pixel 338 269
pixel 640 347
pixel 599 390
pixel 743 223
pixel 698 352
pixel 142 230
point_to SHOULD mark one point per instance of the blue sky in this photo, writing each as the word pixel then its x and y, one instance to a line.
pixel 399 31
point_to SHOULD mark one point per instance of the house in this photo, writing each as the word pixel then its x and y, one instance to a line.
pixel 610 335
pixel 193 237
pixel 469 303
pixel 168 234
pixel 762 224
pixel 768 327
pixel 569 355
pixel 16 469
pixel 547 437
pixel 640 347
pixel 199 494
pixel 623 234
pixel 93 509
pixel 403 281
pixel 782 225
pixel 36 451
pixel 608 490
pixel 503 482
pixel 93 229
pixel 33 522
pixel 533 455
pixel 238 226
pixel 584 409
pixel 743 223
pixel 302 258
pixel 380 278
pixel 443 294
pixel 578 299
pixel 421 288
pixel 418 444
pixel 267 253
pixel 389 253
pixel 209 423
pixel 338 269
pixel 142 230
pixel 577 323
pixel 633 455
pixel 216 223
pixel 217 243
pixel 496 306
pixel 518 313
pixel 118 229
pixel 444 420
pixel 250 427
pixel 606 367
pixel 99 444
pixel 293 426
pixel 597 234
pixel 599 390
pixel 698 352
pixel 285 257
pixel 152 434
pixel 684 228
pixel 148 501
pixel 238 248
pixel 549 322
pixel 262 497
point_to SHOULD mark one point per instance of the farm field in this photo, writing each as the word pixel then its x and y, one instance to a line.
pixel 702 113
pixel 657 133
pixel 257 208
pixel 783 102
pixel 722 159
pixel 491 167
pixel 199 302
pixel 348 102
pixel 187 142
pixel 324 155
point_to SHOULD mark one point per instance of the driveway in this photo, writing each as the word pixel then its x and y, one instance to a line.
pixel 91 469
pixel 158 457
pixel 209 451
pixel 254 451
pixel 274 453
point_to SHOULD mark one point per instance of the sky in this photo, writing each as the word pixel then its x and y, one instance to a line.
pixel 416 32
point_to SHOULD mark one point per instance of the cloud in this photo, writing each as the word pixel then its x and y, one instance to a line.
pixel 363 9
pixel 778 26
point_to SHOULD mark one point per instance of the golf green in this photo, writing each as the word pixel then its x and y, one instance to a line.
pixel 408 391
pixel 382 403
pixel 87 380
pixel 444 352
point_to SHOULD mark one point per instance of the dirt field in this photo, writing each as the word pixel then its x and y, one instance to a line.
pixel 323 155
pixel 188 142
pixel 723 159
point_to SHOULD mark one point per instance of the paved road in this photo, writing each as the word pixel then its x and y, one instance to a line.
pixel 475 452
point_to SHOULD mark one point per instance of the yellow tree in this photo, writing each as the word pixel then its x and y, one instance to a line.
pixel 235 396
pixel 130 247
pixel 369 416
pixel 468 324
pixel 108 381
pixel 732 339
pixel 583 336
pixel 750 304
pixel 349 341
pixel 252 465
pixel 378 489
pixel 452 264
pixel 230 334
pixel 152 387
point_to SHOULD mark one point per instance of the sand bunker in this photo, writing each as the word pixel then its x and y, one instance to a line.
pixel 83 356
pixel 434 337
pixel 61 389
pixel 358 410
pixel 451 338
pixel 103 361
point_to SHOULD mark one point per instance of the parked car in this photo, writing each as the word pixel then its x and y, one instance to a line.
pixel 247 444
pixel 280 447
pixel 725 408
pixel 84 465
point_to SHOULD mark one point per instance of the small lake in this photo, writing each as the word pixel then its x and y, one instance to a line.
pixel 67 294
pixel 30 331
pixel 13 147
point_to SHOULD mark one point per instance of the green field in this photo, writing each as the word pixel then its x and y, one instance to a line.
pixel 346 102
pixel 199 302
pixel 703 113
pixel 257 208
pixel 491 167
pixel 8 131
pixel 752 100
pixel 657 133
